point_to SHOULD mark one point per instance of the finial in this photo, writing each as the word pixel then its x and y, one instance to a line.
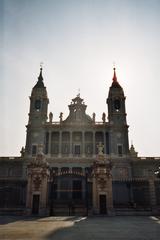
pixel 114 75
pixel 41 65
pixel 40 83
pixel 78 95
pixel 40 74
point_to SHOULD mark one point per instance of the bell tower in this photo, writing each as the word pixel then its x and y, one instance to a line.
pixel 37 116
pixel 117 118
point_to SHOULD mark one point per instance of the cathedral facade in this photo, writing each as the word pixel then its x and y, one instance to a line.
pixel 78 166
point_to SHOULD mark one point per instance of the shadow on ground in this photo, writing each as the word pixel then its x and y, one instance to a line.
pixel 112 228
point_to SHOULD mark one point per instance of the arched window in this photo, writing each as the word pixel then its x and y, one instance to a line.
pixel 117 105
pixel 37 105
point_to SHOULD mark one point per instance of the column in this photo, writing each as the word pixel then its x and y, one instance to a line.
pixel 49 143
pixel 94 142
pixel 58 184
pixel 111 144
pixel 43 196
pixel 60 143
pixel 104 137
pixel 110 209
pixel 70 147
pixel 83 144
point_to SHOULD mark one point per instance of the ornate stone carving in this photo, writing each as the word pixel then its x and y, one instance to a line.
pixel 40 160
pixel 77 114
pixel 37 182
pixel 38 175
pixel 102 183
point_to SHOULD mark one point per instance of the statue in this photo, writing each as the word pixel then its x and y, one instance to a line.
pixel 50 117
pixel 40 157
pixel 40 149
pixel 100 147
pixel 22 152
pixel 61 117
pixel 104 117
pixel 94 117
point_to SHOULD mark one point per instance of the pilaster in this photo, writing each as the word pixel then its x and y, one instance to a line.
pixel 49 143
pixel 104 136
pixel 83 144
pixel 60 144
pixel 70 147
pixel 94 143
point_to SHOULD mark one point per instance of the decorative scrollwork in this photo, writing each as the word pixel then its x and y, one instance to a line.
pixel 37 182
pixel 102 183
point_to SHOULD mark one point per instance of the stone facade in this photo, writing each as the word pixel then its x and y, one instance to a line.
pixel 78 165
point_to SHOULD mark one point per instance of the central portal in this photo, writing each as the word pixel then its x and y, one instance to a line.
pixel 69 195
pixel 102 204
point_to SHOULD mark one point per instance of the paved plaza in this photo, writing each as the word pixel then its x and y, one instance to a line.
pixel 80 228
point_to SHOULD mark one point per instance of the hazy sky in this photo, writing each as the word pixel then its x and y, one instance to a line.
pixel 78 41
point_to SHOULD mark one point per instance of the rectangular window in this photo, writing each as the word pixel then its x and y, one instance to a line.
pixel 89 149
pixel 54 148
pixel 65 148
pixel 34 150
pixel 120 150
pixel 77 150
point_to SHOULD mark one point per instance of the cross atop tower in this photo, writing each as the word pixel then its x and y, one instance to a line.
pixel 41 65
